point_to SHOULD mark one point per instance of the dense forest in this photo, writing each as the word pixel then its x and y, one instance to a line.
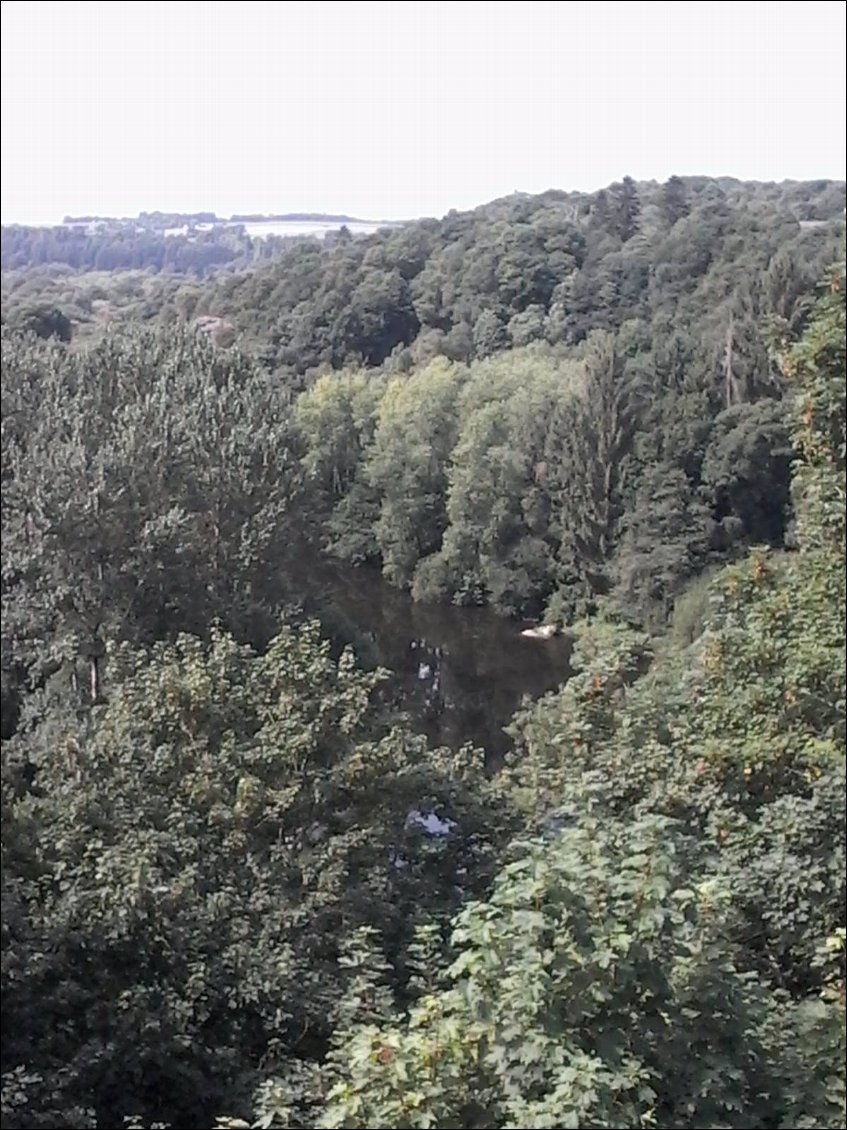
pixel 120 245
pixel 240 887
pixel 178 243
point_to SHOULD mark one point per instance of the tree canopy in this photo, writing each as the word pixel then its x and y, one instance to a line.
pixel 240 887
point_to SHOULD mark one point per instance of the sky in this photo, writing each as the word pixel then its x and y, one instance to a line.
pixel 399 110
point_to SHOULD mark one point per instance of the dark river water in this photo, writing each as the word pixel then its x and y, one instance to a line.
pixel 460 673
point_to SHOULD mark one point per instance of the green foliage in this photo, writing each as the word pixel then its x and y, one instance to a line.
pixel 145 485
pixel 496 549
pixel 684 883
pixel 746 469
pixel 110 245
pixel 592 963
pixel 234 879
pixel 690 278
pixel 183 874
pixel 43 321
pixel 665 541
pixel 556 266
pixel 539 478
pixel 816 367
pixel 406 467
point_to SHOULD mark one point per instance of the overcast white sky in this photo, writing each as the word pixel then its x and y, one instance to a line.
pixel 395 110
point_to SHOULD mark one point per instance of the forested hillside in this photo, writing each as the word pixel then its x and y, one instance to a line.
pixel 526 268
pixel 239 886
pixel 694 252
pixel 576 395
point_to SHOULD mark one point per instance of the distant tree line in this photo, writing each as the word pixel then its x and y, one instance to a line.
pixel 130 247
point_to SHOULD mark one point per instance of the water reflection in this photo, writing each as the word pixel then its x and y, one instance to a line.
pixel 459 672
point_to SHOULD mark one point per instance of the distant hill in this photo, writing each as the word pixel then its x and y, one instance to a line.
pixel 155 220
pixel 553 267
pixel 294 218
pixel 159 221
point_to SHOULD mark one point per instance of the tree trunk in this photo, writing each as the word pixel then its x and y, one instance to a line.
pixel 729 380
pixel 94 674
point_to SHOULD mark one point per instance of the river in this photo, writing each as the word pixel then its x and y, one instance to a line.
pixel 460 673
